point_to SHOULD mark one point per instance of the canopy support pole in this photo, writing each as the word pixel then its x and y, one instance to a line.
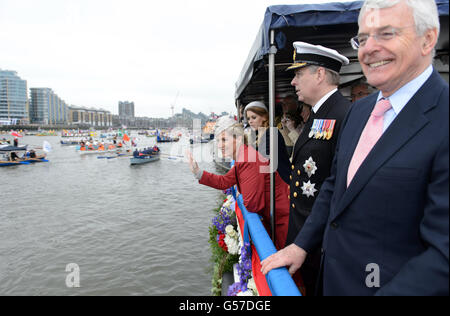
pixel 273 132
pixel 238 106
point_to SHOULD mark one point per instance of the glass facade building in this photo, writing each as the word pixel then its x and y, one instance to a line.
pixel 14 105
pixel 47 108
pixel 126 109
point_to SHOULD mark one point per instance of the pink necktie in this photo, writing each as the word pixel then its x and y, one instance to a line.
pixel 369 137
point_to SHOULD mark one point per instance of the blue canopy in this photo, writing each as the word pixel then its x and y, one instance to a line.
pixel 328 24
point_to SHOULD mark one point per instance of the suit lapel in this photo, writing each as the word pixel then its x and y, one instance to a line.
pixel 407 124
pixel 303 138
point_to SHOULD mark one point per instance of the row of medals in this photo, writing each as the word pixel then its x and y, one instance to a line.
pixel 322 129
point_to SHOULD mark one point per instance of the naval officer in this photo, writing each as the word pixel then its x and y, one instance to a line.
pixel 316 81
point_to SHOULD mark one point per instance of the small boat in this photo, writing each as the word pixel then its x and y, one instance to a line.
pixel 99 149
pixel 10 157
pixel 117 155
pixel 50 133
pixel 12 163
pixel 144 159
pixel 93 152
pixel 8 148
pixel 144 156
pixel 166 139
pixel 202 140
pixel 107 157
pixel 34 159
pixel 70 142
pixel 151 133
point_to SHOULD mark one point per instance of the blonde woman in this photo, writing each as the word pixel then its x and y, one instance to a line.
pixel 250 176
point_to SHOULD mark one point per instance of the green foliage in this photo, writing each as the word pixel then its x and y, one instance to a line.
pixel 216 289
pixel 222 261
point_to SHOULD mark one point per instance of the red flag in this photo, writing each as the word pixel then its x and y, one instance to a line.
pixel 15 134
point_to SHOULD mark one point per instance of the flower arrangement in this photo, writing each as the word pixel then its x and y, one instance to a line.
pixel 225 218
pixel 228 250
pixel 224 242
pixel 246 285
pixel 225 222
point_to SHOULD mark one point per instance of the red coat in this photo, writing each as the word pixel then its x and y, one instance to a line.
pixel 255 189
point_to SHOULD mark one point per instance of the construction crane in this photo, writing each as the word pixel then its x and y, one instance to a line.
pixel 174 102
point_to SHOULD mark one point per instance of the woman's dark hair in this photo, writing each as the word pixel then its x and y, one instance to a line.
pixel 295 116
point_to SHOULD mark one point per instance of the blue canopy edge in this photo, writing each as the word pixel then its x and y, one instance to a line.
pixel 278 17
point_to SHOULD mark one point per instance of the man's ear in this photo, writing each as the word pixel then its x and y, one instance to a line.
pixel 429 41
pixel 321 74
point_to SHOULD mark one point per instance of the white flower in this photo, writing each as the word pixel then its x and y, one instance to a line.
pixel 246 293
pixel 230 230
pixel 309 189
pixel 310 167
pixel 232 245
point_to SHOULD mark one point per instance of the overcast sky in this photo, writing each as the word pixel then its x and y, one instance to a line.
pixel 95 53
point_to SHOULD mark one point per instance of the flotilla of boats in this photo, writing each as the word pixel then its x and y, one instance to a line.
pixel 107 145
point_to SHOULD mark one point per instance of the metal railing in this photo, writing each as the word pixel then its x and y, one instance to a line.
pixel 279 280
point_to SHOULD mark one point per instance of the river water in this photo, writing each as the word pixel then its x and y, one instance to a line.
pixel 131 230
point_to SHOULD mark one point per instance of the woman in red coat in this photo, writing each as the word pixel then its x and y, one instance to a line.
pixel 250 173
